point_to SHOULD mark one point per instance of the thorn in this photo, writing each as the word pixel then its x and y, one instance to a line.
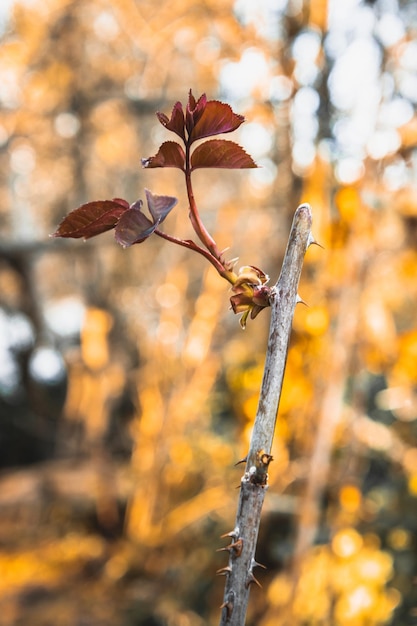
pixel 224 571
pixel 229 605
pixel 299 300
pixel 235 546
pixel 234 534
pixel 251 579
pixel 245 458
pixel 256 564
pixel 229 265
pixel 311 241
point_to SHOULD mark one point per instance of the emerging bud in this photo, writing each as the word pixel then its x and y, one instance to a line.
pixel 251 294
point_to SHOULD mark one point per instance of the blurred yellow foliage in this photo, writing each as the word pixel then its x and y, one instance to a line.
pixel 162 384
pixel 341 584
pixel 49 563
pixel 348 202
pixel 94 342
pixel 350 498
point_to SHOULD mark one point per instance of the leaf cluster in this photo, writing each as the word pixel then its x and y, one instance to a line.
pixel 195 122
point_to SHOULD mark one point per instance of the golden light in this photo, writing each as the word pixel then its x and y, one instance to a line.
pixel 347 543
pixel 350 498
pixel 399 539
pixel 94 345
pixel 317 320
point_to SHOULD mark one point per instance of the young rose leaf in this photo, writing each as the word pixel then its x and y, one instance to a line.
pixel 170 154
pixel 194 111
pixel 176 123
pixel 217 117
pixel 159 206
pixel 91 219
pixel 133 227
pixel 122 202
pixel 221 153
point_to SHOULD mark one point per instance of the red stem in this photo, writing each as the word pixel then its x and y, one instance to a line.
pixel 191 245
pixel 196 222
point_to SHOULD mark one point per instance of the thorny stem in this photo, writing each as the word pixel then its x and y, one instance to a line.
pixel 239 572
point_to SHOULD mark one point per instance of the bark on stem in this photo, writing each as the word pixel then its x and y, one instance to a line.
pixel 239 571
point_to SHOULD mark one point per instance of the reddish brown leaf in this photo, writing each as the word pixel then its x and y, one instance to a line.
pixel 91 219
pixel 217 117
pixel 133 227
pixel 159 206
pixel 170 154
pixel 221 153
pixel 194 110
pixel 176 123
pixel 122 202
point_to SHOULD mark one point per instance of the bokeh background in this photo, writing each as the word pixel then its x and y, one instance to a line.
pixel 127 387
